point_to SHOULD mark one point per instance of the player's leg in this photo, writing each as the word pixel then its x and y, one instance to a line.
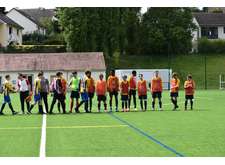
pixel 160 100
pixel 141 102
pixel 2 108
pixel 153 100
pixel 11 108
pixel 130 94
pixel 71 101
pixel 186 102
pixel 134 99
pixel 126 103
pixel 192 102
pixel 27 102
pixel 145 101
pixel 116 99
pixel 44 97
pixel 22 100
pixel 110 100
pixel 91 95
pixel 53 102
pixel 105 104
pixel 123 106
pixel 99 103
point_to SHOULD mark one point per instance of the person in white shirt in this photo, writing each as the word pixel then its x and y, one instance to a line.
pixel 24 89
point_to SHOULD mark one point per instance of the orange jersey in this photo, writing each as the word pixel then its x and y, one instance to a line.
pixel 132 82
pixel 142 87
pixel 189 87
pixel 90 85
pixel 174 85
pixel 156 84
pixel 64 85
pixel 124 86
pixel 101 87
pixel 113 83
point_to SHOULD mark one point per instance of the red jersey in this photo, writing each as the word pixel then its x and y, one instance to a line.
pixel 101 87
pixel 189 87
pixel 90 85
pixel 156 84
pixel 132 83
pixel 175 83
pixel 142 87
pixel 124 85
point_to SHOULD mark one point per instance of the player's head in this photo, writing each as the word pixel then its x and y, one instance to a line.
pixel 112 72
pixel 74 73
pixel 134 73
pixel 101 76
pixel 189 77
pixel 24 76
pixel 175 75
pixel 58 74
pixel 20 75
pixel 156 73
pixel 124 77
pixel 141 76
pixel 88 73
pixel 7 77
pixel 40 74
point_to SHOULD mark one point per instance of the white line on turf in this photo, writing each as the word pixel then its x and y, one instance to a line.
pixel 43 138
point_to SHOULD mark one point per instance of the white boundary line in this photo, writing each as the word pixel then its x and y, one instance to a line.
pixel 42 153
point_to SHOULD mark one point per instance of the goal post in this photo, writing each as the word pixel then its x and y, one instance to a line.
pixel 222 81
pixel 148 74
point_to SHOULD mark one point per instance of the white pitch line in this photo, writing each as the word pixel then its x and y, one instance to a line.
pixel 43 138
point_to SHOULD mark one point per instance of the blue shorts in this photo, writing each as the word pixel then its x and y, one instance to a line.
pixel 37 97
pixel 84 96
pixel 7 99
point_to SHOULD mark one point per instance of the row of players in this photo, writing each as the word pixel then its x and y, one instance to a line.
pixel 86 88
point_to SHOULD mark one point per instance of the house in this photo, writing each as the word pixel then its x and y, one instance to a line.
pixel 209 25
pixel 10 31
pixel 30 64
pixel 31 19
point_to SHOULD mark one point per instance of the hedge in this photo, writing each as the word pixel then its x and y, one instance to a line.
pixel 208 46
pixel 35 49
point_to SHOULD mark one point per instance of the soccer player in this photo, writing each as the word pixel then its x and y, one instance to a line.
pixel 156 89
pixel 74 85
pixel 142 92
pixel 90 88
pixel 58 93
pixel 132 91
pixel 174 89
pixel 189 86
pixel 124 88
pixel 37 95
pixel 44 90
pixel 24 88
pixel 64 88
pixel 101 88
pixel 113 88
pixel 84 97
pixel 7 88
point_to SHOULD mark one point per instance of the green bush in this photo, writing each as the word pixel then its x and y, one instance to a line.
pixel 35 49
pixel 215 46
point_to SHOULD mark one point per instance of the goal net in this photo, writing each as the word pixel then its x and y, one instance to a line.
pixel 148 74
pixel 222 81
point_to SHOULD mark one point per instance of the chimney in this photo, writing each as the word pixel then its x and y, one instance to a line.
pixel 2 10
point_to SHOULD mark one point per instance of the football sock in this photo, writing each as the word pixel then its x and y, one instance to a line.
pixel 145 101
pixel 141 103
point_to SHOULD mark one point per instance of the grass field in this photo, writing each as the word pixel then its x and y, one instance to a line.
pixel 199 132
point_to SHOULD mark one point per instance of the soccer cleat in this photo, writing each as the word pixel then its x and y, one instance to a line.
pixel 117 110
pixel 29 112
pixel 185 108
pixel 122 110
pixel 160 109
pixel 14 113
pixel 110 109
pixel 153 109
pixel 21 113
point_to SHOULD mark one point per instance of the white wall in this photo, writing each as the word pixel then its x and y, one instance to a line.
pixel 27 24
pixel 221 34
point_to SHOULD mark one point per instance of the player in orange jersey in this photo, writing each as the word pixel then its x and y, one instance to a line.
pixel 142 92
pixel 90 88
pixel 132 91
pixel 124 88
pixel 113 88
pixel 101 88
pixel 189 86
pixel 174 89
pixel 156 89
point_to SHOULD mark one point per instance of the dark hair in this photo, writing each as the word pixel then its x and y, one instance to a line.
pixel 174 74
pixel 7 76
pixel 74 72
pixel 101 75
pixel 24 76
pixel 134 72
pixel 189 76
pixel 58 74
pixel 87 72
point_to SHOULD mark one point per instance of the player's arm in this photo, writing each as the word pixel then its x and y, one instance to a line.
pixel 151 85
pixel 108 83
pixel 185 85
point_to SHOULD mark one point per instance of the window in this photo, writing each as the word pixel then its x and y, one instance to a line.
pixel 209 32
pixel 0 81
pixel 10 30
pixel 18 31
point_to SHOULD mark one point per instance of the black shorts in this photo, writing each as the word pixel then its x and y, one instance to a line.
pixel 157 95
pixel 189 97
pixel 75 94
pixel 124 97
pixel 174 94
pixel 115 93
pixel 101 98
pixel 143 97
pixel 132 92
pixel 60 96
pixel 91 95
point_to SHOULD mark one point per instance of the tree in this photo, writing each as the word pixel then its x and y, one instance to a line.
pixel 167 30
